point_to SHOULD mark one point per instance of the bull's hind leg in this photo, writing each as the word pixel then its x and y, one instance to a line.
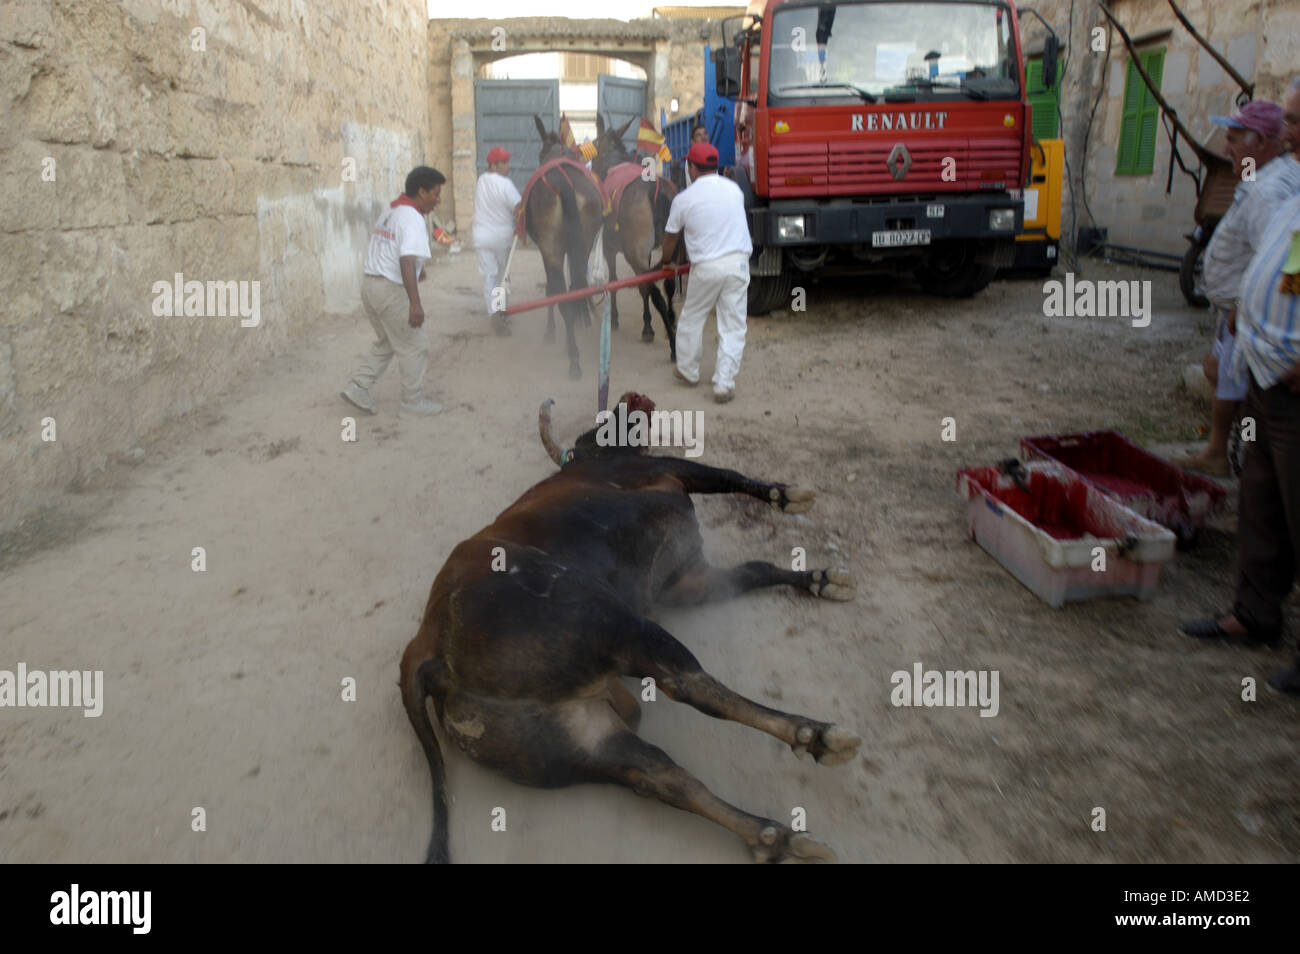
pixel 650 650
pixel 701 583
pixel 553 745
pixel 623 758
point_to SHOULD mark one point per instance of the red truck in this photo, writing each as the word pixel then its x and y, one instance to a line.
pixel 879 136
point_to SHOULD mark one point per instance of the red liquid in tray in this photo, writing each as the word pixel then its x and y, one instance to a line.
pixel 1056 506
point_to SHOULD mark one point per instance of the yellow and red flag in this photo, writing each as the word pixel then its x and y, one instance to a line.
pixel 588 150
pixel 566 133
pixel 649 141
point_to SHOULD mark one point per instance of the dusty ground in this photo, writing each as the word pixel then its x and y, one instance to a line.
pixel 223 688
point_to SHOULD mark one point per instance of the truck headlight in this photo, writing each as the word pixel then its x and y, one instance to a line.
pixel 1002 220
pixel 789 227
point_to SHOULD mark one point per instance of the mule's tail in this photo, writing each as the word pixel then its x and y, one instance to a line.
pixel 573 250
pixel 417 685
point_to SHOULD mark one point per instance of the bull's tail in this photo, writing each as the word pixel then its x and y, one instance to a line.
pixel 417 685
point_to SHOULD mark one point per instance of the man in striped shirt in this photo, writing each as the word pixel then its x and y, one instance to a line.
pixel 1268 531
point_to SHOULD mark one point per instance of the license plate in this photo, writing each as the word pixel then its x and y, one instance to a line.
pixel 901 237
pixel 934 211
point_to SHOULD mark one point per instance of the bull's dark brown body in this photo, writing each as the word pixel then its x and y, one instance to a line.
pixel 522 663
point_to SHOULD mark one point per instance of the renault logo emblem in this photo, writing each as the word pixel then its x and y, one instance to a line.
pixel 899 161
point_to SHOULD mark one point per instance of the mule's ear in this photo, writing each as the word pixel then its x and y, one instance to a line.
pixel 600 125
pixel 622 130
pixel 541 130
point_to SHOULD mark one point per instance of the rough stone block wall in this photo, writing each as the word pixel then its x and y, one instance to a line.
pixel 143 138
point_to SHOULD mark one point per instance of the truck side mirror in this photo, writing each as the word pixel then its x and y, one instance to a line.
pixel 1051 52
pixel 726 71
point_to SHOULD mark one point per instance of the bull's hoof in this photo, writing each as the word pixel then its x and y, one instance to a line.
pixel 575 373
pixel 833 585
pixel 791 499
pixel 829 744
pixel 779 845
pixel 836 745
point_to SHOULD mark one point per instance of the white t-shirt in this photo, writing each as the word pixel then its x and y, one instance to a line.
pixel 399 232
pixel 710 213
pixel 495 198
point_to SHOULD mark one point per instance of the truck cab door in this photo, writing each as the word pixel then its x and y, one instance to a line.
pixel 746 112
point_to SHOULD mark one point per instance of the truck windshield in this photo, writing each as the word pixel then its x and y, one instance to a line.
pixel 899 51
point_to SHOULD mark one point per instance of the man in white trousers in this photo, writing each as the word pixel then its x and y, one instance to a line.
pixel 496 201
pixel 711 215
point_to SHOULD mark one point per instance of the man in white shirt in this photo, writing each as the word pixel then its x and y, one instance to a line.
pixel 711 216
pixel 399 247
pixel 1268 181
pixel 496 201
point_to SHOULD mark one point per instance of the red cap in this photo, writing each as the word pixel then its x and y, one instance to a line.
pixel 703 154
pixel 497 154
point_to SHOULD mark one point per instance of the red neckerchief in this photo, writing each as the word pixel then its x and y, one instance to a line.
pixel 404 199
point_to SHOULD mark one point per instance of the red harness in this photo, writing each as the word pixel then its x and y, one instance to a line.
pixel 617 179
pixel 567 168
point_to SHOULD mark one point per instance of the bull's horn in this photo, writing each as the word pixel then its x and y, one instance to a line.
pixel 544 429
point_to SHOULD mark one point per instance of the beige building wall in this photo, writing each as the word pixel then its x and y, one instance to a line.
pixel 144 138
pixel 1261 38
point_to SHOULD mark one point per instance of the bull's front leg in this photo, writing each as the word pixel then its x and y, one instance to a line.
pixel 699 478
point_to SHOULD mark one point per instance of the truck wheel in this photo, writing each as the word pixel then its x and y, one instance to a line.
pixel 1191 277
pixel 769 291
pixel 955 275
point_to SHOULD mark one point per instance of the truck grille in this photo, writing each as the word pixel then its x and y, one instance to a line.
pixel 854 167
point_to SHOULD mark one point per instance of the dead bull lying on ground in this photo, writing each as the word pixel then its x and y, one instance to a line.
pixel 523 665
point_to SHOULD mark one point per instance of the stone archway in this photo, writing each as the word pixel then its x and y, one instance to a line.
pixel 458 48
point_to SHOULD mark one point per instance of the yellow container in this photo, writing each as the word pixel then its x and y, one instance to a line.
pixel 1043 194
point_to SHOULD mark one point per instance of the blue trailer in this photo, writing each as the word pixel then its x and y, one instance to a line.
pixel 717 114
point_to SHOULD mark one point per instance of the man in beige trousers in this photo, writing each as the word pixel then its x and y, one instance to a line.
pixel 399 247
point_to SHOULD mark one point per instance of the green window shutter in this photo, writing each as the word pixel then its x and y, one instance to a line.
pixel 1140 118
pixel 1128 123
pixel 1043 101
pixel 1149 125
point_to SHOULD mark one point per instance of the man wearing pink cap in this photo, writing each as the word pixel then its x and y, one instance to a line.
pixel 1268 179
pixel 710 213
pixel 1268 353
pixel 496 200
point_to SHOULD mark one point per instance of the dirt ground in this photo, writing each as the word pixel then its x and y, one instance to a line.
pixel 223 688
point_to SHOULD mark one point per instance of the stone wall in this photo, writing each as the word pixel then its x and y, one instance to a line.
pixel 1261 38
pixel 145 138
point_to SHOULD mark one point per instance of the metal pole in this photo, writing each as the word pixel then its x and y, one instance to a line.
pixel 592 291
pixel 514 243
pixel 602 393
